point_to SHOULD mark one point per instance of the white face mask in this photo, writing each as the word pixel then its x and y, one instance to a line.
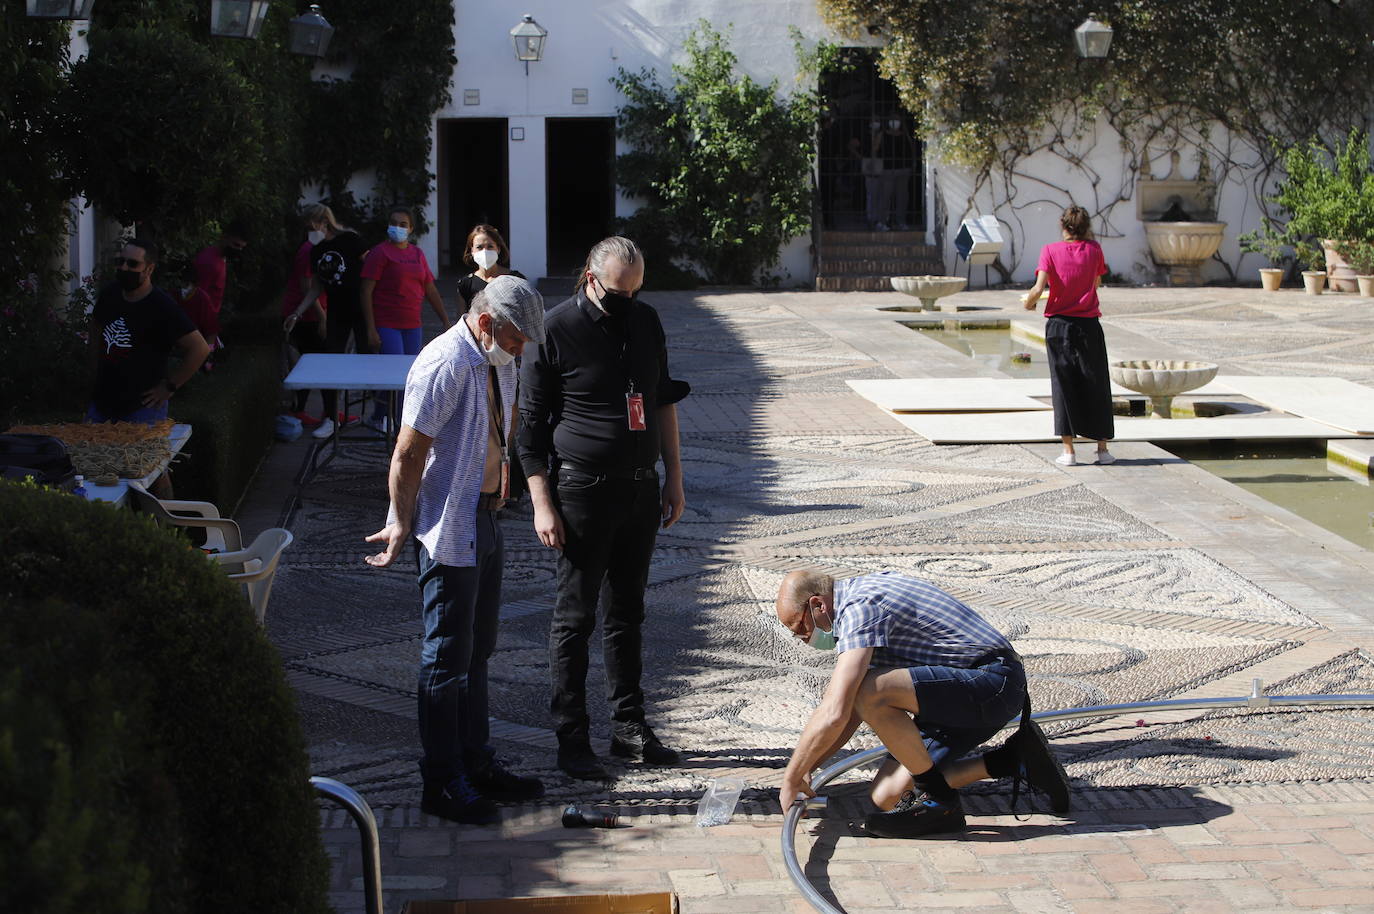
pixel 314 237
pixel 495 354
pixel 485 258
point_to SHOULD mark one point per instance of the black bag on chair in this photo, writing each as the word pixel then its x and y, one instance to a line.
pixel 42 457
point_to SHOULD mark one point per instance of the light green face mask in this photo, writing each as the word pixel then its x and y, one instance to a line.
pixel 822 640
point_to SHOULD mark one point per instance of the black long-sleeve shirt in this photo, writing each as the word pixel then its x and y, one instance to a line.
pixel 573 388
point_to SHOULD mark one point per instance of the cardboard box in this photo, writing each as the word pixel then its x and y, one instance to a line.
pixel 652 903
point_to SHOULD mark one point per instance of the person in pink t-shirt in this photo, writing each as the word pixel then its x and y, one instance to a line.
pixel 396 278
pixel 1079 384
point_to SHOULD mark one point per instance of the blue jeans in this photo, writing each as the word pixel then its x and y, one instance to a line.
pixel 396 341
pixel 461 613
pixel 963 708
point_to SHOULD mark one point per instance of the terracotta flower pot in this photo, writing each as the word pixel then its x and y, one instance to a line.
pixel 1366 284
pixel 1271 279
pixel 1340 276
pixel 1313 281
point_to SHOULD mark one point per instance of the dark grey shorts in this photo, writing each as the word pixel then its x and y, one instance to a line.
pixel 963 708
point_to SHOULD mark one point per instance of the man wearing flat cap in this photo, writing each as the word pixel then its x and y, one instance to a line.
pixel 450 477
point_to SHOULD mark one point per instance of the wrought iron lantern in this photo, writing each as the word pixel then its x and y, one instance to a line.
pixel 237 18
pixel 529 36
pixel 310 33
pixel 59 9
pixel 1093 38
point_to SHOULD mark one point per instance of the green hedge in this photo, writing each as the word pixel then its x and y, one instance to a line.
pixel 150 754
pixel 231 412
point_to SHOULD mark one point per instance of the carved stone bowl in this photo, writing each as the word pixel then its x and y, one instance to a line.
pixel 929 288
pixel 1161 379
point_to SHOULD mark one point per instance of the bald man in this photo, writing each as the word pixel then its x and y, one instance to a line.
pixel 932 678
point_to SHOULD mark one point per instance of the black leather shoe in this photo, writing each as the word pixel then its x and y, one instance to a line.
pixel 579 761
pixel 917 815
pixel 638 743
pixel 497 782
pixel 459 801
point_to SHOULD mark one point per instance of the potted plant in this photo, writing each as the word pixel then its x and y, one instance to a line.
pixel 1360 256
pixel 1274 246
pixel 1330 199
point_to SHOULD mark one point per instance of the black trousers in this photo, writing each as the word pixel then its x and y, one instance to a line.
pixel 342 324
pixel 1080 387
pixel 609 528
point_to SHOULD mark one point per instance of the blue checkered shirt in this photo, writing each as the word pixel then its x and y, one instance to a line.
pixel 910 622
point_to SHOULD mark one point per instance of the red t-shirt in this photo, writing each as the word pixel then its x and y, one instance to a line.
pixel 1073 268
pixel 212 274
pixel 198 308
pixel 402 275
pixel 299 283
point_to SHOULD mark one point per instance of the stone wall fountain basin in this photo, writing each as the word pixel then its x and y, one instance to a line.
pixel 1161 380
pixel 929 288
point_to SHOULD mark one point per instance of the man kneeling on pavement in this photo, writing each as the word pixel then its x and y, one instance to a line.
pixel 932 678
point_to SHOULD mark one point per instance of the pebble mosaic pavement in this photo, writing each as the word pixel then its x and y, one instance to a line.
pixel 784 466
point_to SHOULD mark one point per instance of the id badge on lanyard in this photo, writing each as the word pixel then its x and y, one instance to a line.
pixel 634 410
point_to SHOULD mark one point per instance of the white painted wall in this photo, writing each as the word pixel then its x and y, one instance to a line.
pixel 588 40
pixel 1048 182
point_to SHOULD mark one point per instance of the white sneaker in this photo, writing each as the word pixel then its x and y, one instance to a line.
pixel 1066 460
pixel 1104 458
pixel 324 429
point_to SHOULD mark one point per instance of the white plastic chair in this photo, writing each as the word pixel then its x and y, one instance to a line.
pixel 221 533
pixel 256 566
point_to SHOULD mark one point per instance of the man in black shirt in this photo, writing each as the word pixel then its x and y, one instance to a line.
pixel 596 414
pixel 134 326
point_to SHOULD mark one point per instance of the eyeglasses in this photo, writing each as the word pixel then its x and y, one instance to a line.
pixel 806 613
pixel 128 262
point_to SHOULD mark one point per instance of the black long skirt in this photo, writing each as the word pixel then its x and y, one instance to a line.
pixel 1079 384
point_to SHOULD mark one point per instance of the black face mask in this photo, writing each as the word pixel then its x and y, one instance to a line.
pixel 614 303
pixel 129 280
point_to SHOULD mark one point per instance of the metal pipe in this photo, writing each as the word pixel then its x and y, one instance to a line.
pixel 357 807
pixel 1256 699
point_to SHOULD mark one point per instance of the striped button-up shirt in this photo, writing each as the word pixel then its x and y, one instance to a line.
pixel 446 399
pixel 910 622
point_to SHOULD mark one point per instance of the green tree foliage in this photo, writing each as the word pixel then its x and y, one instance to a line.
pixel 985 76
pixel 721 162
pixel 150 755
pixel 402 58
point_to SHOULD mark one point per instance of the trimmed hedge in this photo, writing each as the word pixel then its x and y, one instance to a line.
pixel 150 754
pixel 231 412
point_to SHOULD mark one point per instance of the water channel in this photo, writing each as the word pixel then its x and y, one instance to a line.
pixel 1294 475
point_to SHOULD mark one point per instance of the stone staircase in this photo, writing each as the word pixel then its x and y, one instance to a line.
pixel 864 261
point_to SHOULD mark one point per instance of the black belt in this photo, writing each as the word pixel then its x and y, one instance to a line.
pixel 610 473
pixel 492 502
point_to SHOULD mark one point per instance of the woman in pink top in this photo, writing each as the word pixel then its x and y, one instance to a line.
pixel 396 278
pixel 1081 389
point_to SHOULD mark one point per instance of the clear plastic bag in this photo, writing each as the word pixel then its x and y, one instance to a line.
pixel 718 802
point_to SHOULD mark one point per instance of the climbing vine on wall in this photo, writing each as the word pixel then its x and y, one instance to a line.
pixel 992 83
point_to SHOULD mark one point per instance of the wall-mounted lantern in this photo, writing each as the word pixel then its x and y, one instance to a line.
pixel 59 9
pixel 529 36
pixel 1093 38
pixel 310 33
pixel 237 18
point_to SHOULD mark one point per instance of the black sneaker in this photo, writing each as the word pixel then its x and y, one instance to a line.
pixel 638 743
pixel 460 802
pixel 578 760
pixel 497 782
pixel 1040 769
pixel 916 815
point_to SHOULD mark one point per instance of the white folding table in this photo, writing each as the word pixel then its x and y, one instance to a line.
pixel 350 371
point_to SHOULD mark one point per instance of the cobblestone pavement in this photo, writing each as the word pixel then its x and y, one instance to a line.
pixel 1146 579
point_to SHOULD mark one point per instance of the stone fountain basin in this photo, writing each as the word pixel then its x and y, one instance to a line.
pixel 1161 377
pixel 1183 243
pixel 929 286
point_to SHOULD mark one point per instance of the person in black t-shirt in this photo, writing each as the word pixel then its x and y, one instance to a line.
pixel 134 326
pixel 336 269
pixel 486 250
pixel 597 411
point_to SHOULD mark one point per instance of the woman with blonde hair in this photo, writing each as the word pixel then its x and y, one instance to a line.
pixel 1079 384
pixel 336 266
